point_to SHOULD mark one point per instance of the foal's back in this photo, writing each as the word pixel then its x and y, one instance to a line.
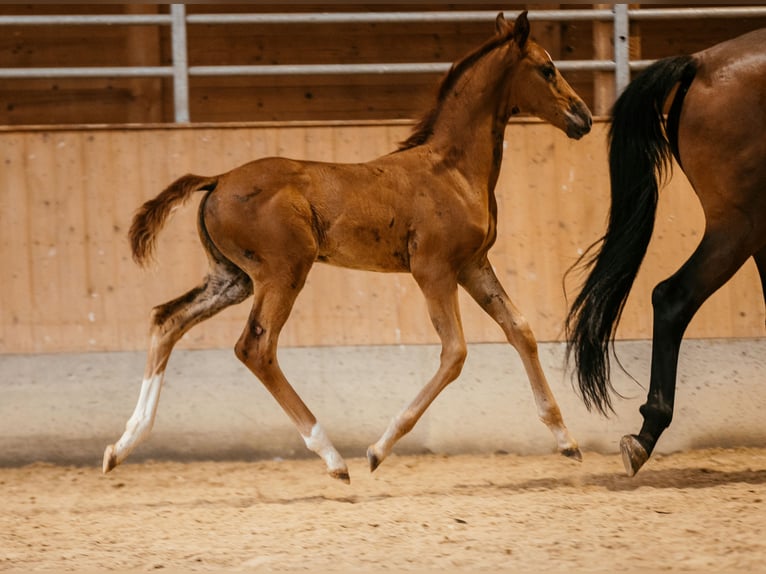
pixel 374 216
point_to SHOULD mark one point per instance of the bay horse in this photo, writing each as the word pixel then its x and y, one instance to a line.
pixel 427 208
pixel 716 129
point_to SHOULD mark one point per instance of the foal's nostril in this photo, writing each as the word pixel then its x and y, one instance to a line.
pixel 579 109
pixel 579 121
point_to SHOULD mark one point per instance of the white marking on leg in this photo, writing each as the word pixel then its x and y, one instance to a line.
pixel 320 443
pixel 140 423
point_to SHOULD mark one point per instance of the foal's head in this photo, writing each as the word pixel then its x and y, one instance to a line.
pixel 537 87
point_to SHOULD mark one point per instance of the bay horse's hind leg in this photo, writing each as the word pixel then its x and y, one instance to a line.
pixel 480 281
pixel 257 349
pixel 725 246
pixel 225 285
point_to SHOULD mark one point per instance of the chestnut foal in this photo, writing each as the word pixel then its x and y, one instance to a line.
pixel 428 209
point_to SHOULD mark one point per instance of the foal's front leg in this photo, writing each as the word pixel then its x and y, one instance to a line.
pixel 483 285
pixel 442 300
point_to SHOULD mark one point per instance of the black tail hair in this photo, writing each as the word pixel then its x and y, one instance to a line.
pixel 639 158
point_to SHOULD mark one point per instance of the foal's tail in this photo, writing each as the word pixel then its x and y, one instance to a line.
pixel 640 146
pixel 151 216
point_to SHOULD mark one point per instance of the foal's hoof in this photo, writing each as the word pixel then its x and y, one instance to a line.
pixel 573 453
pixel 110 459
pixel 634 455
pixel 373 459
pixel 341 474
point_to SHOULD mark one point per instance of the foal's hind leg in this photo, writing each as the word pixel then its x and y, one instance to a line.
pixel 481 283
pixel 676 300
pixel 440 290
pixel 257 348
pixel 225 285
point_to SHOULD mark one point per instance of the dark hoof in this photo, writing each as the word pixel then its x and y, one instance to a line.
pixel 372 458
pixel 634 455
pixel 573 453
pixel 341 475
pixel 110 459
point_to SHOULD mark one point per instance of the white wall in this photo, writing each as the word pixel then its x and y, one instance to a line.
pixel 66 408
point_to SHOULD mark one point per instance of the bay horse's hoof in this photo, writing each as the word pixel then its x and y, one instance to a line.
pixel 373 459
pixel 573 453
pixel 110 459
pixel 634 455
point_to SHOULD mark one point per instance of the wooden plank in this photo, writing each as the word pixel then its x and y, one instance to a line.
pixel 15 272
pixel 42 190
pixel 74 282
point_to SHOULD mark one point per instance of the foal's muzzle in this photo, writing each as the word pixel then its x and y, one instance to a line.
pixel 579 120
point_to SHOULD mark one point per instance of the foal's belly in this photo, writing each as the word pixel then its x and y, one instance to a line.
pixel 366 249
pixel 365 241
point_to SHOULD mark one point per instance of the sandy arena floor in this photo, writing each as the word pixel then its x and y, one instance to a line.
pixel 696 511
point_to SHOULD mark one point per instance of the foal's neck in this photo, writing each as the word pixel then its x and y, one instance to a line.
pixel 468 134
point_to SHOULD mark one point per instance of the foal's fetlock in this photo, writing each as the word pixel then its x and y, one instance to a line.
pixel 319 442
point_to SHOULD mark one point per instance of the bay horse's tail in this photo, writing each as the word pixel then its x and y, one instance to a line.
pixel 640 146
pixel 151 216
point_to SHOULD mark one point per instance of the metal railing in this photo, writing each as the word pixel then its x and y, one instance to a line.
pixel 180 71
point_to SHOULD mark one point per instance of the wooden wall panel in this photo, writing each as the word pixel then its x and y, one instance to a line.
pixel 69 284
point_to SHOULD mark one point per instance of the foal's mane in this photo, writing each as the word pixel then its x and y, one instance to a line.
pixel 425 127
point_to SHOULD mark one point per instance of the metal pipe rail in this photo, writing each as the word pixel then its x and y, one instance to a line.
pixel 394 17
pixel 87 20
pixel 180 70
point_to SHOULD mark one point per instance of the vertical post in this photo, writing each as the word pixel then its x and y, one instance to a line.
pixel 634 30
pixel 180 63
pixel 603 49
pixel 621 48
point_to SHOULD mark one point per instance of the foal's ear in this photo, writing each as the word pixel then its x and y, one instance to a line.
pixel 502 26
pixel 521 30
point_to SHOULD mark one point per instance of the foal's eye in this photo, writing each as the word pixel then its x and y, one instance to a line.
pixel 548 72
